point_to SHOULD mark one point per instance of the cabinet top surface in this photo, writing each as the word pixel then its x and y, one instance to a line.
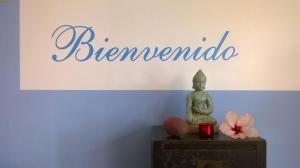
pixel 159 134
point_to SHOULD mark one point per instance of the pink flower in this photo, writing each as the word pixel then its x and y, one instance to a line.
pixel 237 126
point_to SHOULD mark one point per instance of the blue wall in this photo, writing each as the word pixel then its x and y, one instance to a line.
pixel 111 129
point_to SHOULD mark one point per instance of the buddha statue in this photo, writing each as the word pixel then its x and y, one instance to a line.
pixel 199 104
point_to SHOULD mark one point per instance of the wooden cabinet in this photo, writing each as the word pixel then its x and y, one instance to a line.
pixel 219 152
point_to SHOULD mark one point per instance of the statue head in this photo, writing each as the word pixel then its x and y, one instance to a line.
pixel 199 81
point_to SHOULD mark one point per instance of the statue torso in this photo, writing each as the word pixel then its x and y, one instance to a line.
pixel 199 101
pixel 199 97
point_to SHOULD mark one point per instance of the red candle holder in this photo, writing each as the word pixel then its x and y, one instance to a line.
pixel 206 130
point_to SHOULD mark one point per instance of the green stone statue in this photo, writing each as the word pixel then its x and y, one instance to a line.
pixel 199 104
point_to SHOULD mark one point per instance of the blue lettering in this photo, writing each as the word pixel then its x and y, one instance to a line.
pixel 73 43
pixel 128 51
pixel 63 29
pixel 233 54
pixel 214 56
pixel 155 54
pixel 77 41
pixel 84 43
pixel 185 53
pixel 111 52
pixel 165 52
pixel 98 53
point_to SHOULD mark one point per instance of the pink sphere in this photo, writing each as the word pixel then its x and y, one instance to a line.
pixel 176 126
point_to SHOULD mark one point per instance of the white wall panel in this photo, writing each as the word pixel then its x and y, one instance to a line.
pixel 265 34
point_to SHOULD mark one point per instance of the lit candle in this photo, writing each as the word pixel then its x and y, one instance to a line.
pixel 206 130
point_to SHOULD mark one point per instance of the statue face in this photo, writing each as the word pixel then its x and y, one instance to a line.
pixel 199 85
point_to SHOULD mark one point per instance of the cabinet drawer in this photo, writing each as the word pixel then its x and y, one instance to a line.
pixel 207 159
pixel 219 152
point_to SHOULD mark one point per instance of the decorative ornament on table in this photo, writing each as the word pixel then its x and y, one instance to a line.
pixel 176 127
pixel 199 105
pixel 237 126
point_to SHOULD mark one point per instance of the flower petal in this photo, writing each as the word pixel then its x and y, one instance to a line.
pixel 231 118
pixel 250 132
pixel 226 129
pixel 246 120
pixel 241 135
pixel 235 136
